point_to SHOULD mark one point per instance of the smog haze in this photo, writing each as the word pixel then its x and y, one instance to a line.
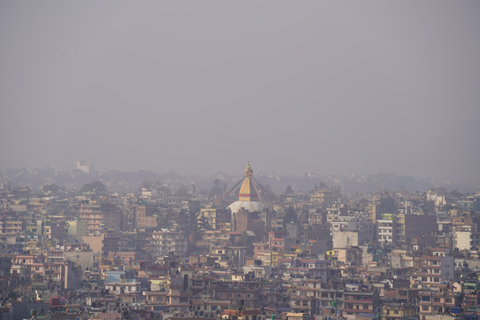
pixel 200 87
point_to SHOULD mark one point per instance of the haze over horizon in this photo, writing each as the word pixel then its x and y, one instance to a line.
pixel 202 87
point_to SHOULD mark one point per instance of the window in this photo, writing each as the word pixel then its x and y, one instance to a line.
pixel 424 308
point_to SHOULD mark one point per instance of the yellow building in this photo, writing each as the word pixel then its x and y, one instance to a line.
pixel 398 312
pixel 326 195
pixel 276 256
pixel 212 218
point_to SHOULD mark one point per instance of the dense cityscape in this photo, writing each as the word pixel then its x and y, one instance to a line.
pixel 237 251
pixel 239 160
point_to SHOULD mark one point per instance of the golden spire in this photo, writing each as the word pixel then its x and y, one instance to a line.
pixel 248 170
pixel 247 190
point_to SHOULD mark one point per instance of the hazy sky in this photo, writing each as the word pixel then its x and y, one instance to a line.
pixel 204 86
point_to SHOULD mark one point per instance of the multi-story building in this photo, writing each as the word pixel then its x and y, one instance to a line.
pixel 251 314
pixel 55 256
pixel 326 196
pixel 435 270
pixel 438 196
pixel 235 255
pixel 345 239
pixel 144 216
pixel 384 204
pixel 208 307
pixel 237 295
pixel 76 229
pixel 316 216
pixel 350 223
pixel 416 225
pixel 85 166
pixel 386 232
pixel 314 268
pixel 100 216
pixel 212 218
pixel 13 227
pixel 466 239
pixel 431 302
pixel 166 242
pixel 359 299
pixel 397 311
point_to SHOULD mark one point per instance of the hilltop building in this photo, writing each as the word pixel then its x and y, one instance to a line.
pixel 85 166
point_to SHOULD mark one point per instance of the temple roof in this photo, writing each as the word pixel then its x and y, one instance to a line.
pixel 247 196
pixel 247 190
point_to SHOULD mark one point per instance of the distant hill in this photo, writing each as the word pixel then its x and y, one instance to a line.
pixel 118 181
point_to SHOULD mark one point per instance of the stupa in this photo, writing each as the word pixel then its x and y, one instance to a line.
pixel 248 197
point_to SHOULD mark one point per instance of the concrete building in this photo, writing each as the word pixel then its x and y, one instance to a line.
pixel 326 196
pixel 420 225
pixel 386 232
pixel 344 239
pixel 144 216
pixel 466 240
pixel 166 242
pixel 87 261
pixel 101 216
pixel 433 270
pixel 71 276
pixel 85 166
pixel 213 218
pixel 350 223
pixel 398 311
pixel 76 229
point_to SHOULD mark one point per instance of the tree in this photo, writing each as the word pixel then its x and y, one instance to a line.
pixel 455 194
pixel 246 241
pixel 290 216
pixel 50 188
pixel 93 186
pixel 165 191
pixel 182 192
pixel 217 189
pixel 147 184
pixel 447 207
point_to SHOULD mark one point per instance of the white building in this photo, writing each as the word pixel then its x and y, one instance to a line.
pixel 466 240
pixel 438 196
pixel 85 166
pixel 386 231
pixel 351 223
pixel 344 239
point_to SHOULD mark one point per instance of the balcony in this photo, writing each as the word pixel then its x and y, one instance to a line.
pixel 353 300
pixel 358 310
